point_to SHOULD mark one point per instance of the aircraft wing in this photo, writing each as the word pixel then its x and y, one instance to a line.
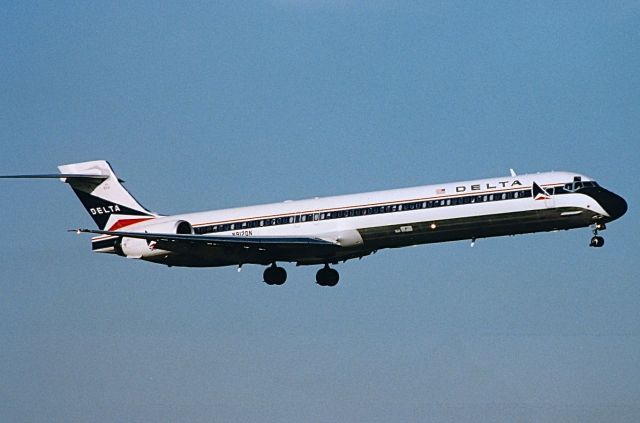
pixel 171 242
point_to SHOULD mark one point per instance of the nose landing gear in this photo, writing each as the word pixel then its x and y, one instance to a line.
pixel 596 240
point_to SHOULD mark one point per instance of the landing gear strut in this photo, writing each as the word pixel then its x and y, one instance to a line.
pixel 327 276
pixel 596 240
pixel 274 275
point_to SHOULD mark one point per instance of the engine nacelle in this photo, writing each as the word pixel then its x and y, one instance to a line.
pixel 169 227
pixel 142 248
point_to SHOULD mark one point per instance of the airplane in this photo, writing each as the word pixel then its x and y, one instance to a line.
pixel 326 231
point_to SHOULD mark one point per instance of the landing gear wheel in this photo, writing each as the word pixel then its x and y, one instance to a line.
pixel 596 241
pixel 274 275
pixel 327 276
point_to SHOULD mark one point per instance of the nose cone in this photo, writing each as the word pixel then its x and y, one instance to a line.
pixel 615 205
pixel 612 203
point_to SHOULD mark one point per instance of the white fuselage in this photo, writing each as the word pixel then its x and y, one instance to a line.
pixel 361 223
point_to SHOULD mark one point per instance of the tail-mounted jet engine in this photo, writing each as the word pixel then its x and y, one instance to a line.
pixel 142 248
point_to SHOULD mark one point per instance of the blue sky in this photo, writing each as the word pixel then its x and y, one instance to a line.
pixel 204 106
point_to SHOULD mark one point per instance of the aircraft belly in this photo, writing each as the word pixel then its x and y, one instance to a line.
pixel 391 236
pixel 476 227
pixel 217 256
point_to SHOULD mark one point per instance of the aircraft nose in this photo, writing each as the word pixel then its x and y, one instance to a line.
pixel 615 205
pixel 612 203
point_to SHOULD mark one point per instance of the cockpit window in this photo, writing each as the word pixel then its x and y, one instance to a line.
pixel 576 185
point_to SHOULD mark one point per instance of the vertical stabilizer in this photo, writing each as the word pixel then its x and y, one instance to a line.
pixel 107 201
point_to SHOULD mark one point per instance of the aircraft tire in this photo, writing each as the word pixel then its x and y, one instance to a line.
pixel 274 275
pixel 327 277
pixel 597 241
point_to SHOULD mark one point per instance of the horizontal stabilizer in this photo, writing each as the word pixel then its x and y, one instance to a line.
pixel 57 176
pixel 100 190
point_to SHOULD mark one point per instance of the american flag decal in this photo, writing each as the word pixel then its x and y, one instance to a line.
pixel 440 191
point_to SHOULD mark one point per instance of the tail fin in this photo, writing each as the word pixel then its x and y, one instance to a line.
pixel 110 205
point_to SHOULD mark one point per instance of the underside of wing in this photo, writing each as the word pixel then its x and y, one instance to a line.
pixel 204 250
pixel 165 241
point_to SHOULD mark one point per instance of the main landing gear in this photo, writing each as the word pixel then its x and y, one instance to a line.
pixel 274 275
pixel 596 240
pixel 327 276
